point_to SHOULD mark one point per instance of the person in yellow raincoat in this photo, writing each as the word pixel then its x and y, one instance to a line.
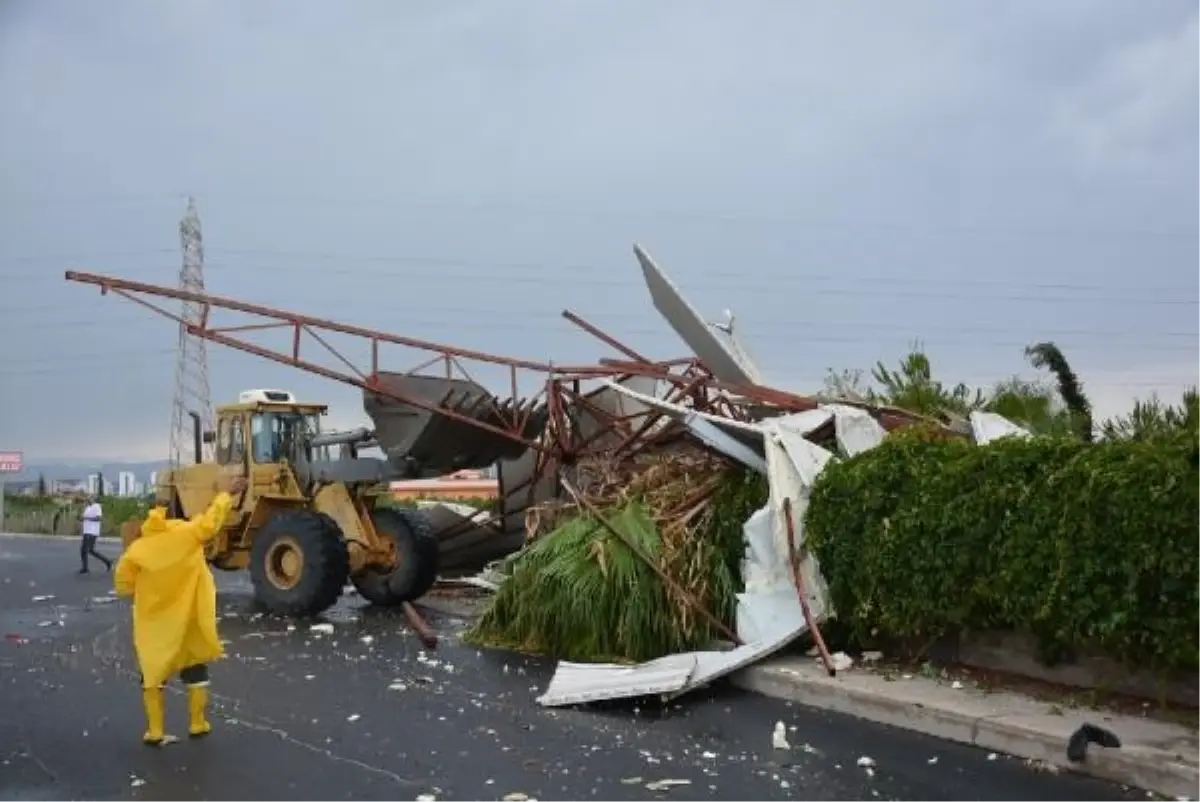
pixel 174 609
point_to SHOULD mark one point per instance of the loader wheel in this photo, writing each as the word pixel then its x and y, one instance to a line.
pixel 416 558
pixel 298 563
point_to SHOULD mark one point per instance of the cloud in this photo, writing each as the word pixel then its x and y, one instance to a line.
pixel 848 177
pixel 1137 110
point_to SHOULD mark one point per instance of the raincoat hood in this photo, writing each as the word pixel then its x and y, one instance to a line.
pixel 155 523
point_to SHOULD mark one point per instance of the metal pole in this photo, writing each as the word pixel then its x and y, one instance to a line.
pixel 2 529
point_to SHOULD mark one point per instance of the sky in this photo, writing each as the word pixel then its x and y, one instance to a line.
pixel 849 178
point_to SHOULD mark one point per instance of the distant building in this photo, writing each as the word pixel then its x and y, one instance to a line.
pixel 126 484
pixel 94 488
pixel 152 482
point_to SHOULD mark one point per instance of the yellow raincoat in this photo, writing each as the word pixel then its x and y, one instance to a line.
pixel 174 596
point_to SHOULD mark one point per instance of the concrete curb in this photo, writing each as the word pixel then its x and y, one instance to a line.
pixel 1154 756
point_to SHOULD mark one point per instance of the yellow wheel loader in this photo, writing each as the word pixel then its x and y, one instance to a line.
pixel 310 518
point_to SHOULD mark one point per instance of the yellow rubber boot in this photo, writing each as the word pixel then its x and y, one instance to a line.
pixel 152 700
pixel 197 697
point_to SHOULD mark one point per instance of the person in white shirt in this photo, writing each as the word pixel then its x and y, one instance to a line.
pixel 92 516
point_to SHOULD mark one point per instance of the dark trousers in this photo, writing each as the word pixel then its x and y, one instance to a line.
pixel 88 546
pixel 190 675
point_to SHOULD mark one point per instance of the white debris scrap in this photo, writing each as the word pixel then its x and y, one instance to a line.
pixel 353 717
pixel 779 737
pixel 988 426
pixel 46 597
pixel 842 661
pixel 866 762
pixel 322 629
pixel 666 785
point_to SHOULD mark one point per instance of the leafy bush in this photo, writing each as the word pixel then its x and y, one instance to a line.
pixel 579 593
pixel 1084 546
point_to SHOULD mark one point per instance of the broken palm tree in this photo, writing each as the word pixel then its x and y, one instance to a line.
pixel 642 560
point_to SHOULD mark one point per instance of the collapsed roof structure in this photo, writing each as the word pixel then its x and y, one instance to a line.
pixel 436 418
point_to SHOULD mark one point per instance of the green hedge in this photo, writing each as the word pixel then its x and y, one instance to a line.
pixel 1083 546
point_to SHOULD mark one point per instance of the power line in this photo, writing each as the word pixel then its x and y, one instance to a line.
pixel 544 322
pixel 510 315
pixel 791 381
pixel 83 256
pixel 70 361
pixel 502 272
pixel 764 288
pixel 857 226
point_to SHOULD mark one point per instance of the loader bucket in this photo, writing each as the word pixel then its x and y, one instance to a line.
pixel 436 443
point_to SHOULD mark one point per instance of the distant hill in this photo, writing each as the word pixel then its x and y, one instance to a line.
pixel 78 470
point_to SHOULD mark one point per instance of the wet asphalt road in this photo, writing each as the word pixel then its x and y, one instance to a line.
pixel 365 713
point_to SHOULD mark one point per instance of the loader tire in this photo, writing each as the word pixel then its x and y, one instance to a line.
pixel 416 554
pixel 299 563
pixel 428 545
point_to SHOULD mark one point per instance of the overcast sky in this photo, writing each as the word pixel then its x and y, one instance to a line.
pixel 847 177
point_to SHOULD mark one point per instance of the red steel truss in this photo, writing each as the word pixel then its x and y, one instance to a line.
pixel 561 398
pixel 560 388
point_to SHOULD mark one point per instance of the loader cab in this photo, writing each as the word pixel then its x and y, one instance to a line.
pixel 266 427
pixel 278 435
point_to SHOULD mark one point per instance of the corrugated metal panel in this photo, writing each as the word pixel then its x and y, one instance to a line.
pixel 987 426
pixel 576 683
pixel 726 362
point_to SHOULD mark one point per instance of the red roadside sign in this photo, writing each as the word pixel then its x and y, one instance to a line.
pixel 11 461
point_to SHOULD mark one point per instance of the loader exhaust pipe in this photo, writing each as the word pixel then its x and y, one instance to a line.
pixel 197 438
